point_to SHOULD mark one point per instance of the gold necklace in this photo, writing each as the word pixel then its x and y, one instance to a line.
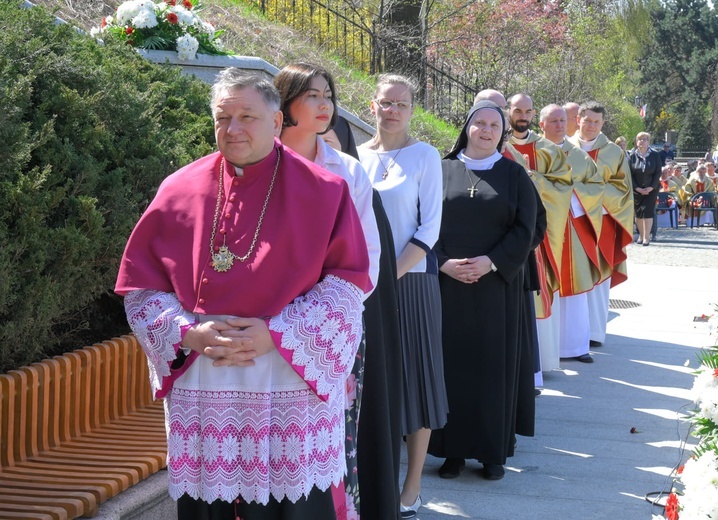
pixel 473 190
pixel 223 259
pixel 393 159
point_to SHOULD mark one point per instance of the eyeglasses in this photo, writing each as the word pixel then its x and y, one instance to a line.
pixel 386 104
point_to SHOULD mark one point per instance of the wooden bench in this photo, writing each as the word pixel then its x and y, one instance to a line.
pixel 76 430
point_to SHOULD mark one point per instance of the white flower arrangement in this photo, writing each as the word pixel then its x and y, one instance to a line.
pixel 700 492
pixel 167 25
pixel 699 476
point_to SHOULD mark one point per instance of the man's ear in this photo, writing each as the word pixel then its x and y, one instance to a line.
pixel 278 120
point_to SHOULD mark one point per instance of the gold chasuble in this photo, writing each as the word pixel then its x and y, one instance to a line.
pixel 547 165
pixel 617 223
pixel 580 265
pixel 695 185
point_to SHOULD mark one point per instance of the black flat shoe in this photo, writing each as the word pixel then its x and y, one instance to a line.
pixel 586 358
pixel 493 471
pixel 451 468
pixel 593 343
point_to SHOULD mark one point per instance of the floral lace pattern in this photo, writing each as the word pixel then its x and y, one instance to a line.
pixel 252 444
pixel 322 330
pixel 157 319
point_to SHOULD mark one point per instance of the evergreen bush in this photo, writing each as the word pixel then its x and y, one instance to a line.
pixel 87 133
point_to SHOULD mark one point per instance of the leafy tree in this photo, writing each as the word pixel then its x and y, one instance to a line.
pixel 678 69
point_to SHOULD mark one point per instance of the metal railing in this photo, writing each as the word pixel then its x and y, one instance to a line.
pixel 361 43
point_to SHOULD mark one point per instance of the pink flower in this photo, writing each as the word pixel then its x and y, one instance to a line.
pixel 351 510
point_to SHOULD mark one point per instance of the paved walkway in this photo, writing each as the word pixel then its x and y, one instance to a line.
pixel 584 462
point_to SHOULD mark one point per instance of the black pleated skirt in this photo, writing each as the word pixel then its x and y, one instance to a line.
pixel 425 402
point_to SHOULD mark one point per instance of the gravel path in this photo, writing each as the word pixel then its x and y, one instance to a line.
pixel 697 247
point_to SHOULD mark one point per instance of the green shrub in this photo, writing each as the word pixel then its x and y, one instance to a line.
pixel 87 133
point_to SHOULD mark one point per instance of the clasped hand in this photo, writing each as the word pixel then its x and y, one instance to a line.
pixel 230 340
pixel 467 270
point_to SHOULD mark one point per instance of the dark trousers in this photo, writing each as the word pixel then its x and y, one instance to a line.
pixel 317 506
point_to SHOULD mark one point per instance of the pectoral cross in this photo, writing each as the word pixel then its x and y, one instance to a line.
pixel 472 191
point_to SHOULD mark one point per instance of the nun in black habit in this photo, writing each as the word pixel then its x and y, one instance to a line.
pixel 487 233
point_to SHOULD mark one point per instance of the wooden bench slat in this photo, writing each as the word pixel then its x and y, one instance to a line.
pixel 8 515
pixel 76 430
pixel 145 465
pixel 100 491
pixel 76 458
pixel 115 480
pixel 72 506
pixel 11 512
pixel 88 500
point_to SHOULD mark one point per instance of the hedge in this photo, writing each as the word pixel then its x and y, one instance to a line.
pixel 87 133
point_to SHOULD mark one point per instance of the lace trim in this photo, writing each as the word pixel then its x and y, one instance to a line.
pixel 322 329
pixel 225 444
pixel 157 319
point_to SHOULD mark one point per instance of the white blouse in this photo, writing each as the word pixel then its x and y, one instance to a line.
pixel 411 194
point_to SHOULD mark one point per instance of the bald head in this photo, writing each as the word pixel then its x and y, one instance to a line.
pixel 553 123
pixel 571 117
pixel 520 99
pixel 491 95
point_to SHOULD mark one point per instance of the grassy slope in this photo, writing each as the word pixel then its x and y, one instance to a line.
pixel 249 34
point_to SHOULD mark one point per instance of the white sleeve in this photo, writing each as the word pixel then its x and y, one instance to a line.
pixel 430 200
pixel 363 197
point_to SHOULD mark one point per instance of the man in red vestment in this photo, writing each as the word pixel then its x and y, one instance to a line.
pixel 546 164
pixel 579 270
pixel 244 282
pixel 617 222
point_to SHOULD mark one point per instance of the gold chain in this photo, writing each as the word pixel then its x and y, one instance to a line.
pixel 393 159
pixel 223 259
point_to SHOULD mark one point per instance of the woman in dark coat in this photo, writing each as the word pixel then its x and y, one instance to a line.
pixel 645 165
pixel 487 228
pixel 379 435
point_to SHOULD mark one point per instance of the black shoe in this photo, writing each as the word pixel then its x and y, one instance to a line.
pixel 537 392
pixel 451 468
pixel 592 343
pixel 493 471
pixel 586 358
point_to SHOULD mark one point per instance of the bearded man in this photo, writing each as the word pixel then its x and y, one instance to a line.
pixel 548 168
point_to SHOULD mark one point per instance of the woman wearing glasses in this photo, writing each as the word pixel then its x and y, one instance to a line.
pixel 407 174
